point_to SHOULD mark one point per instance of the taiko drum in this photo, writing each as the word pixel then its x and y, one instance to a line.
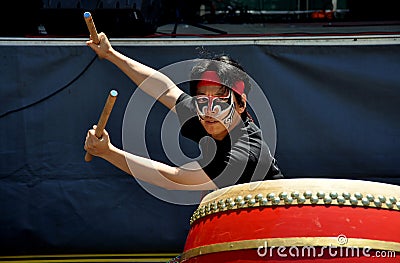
pixel 299 220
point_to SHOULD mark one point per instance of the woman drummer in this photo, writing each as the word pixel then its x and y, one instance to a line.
pixel 214 115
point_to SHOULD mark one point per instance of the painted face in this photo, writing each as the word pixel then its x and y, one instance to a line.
pixel 218 107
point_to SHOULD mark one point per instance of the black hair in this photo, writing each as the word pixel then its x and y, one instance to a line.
pixel 229 72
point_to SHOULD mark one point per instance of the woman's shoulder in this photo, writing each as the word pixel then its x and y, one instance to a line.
pixel 252 131
pixel 183 97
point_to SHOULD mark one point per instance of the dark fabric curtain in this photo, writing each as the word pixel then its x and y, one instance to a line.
pixel 336 110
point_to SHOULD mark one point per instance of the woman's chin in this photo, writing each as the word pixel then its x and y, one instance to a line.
pixel 214 127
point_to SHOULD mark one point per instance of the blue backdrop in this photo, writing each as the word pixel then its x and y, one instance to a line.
pixel 336 109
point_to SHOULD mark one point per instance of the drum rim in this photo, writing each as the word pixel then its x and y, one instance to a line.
pixel 301 191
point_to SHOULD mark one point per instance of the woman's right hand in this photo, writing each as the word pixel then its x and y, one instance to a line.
pixel 104 48
pixel 97 146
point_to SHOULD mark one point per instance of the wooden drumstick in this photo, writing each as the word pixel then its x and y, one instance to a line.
pixel 112 96
pixel 92 28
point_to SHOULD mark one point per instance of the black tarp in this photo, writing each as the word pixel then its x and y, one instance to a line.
pixel 336 109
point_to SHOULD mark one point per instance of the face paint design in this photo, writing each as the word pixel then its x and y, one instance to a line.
pixel 220 108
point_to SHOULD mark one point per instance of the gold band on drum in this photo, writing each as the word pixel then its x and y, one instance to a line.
pixel 306 242
pixel 295 199
pixel 300 192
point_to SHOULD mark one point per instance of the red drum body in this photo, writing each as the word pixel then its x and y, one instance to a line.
pixel 299 220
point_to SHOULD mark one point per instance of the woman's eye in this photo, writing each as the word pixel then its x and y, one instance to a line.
pixel 221 100
pixel 202 100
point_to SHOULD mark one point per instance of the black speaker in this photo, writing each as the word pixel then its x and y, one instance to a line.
pixel 114 22
pixel 122 22
pixel 63 22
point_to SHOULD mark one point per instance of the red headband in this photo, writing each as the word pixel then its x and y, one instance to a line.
pixel 210 77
